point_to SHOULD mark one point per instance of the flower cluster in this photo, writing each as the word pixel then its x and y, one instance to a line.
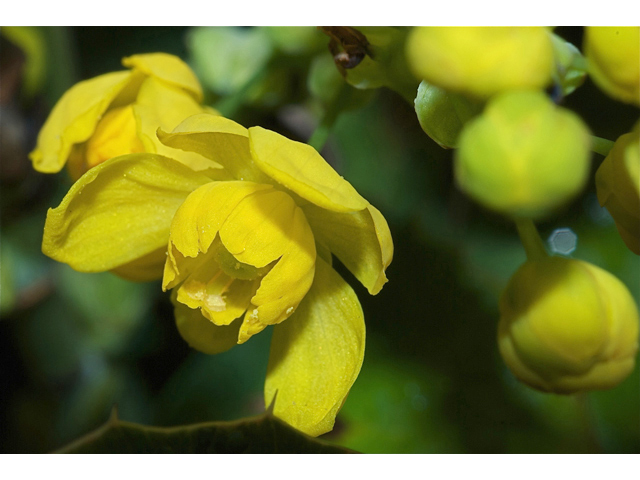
pixel 240 224
pixel 565 325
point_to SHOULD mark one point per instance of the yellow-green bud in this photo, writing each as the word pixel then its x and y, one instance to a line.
pixel 442 114
pixel 482 61
pixel 524 156
pixel 618 187
pixel 613 54
pixel 567 326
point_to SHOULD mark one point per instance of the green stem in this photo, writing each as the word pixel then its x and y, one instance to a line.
pixel 229 105
pixel 530 239
pixel 601 145
pixel 321 133
pixel 585 411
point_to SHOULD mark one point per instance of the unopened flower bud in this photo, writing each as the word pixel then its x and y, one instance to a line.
pixel 442 114
pixel 618 187
pixel 613 54
pixel 482 61
pixel 567 326
pixel 524 156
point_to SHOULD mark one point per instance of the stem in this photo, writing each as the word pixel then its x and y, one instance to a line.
pixel 601 145
pixel 583 404
pixel 530 239
pixel 321 133
pixel 229 105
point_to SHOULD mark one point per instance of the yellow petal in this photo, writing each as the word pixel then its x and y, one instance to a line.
pixel 118 212
pixel 263 228
pixel 74 118
pixel 164 106
pixel 144 269
pixel 316 355
pixel 361 240
pixel 205 286
pixel 219 139
pixel 200 333
pixel 198 220
pixel 167 68
pixel 301 169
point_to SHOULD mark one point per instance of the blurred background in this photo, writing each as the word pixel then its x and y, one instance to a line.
pixel 74 345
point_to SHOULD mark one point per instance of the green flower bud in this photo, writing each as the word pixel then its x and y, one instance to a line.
pixel 618 187
pixel 482 61
pixel 567 326
pixel 571 66
pixel 524 156
pixel 613 54
pixel 443 114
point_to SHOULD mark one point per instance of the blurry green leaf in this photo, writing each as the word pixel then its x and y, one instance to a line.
pixel 7 288
pixel 32 43
pixel 227 58
pixel 263 434
pixel 99 386
pixel 295 40
pixel 394 408
pixel 379 165
pixel 111 307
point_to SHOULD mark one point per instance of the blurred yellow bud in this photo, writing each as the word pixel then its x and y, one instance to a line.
pixel 618 187
pixel 482 61
pixel 567 326
pixel 613 54
pixel 524 156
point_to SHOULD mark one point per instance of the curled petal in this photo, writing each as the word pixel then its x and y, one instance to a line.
pixel 118 212
pixel 74 118
pixel 202 334
pixel 316 354
pixel 167 68
pixel 265 228
pixel 301 169
pixel 361 240
pixel 198 220
pixel 219 139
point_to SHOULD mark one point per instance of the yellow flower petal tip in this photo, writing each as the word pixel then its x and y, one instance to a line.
pixel 301 169
pixel 524 156
pixel 567 326
pixel 618 187
pixel 482 61
pixel 118 113
pixel 613 55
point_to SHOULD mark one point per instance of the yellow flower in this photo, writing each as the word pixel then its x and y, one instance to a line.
pixel 482 61
pixel 118 113
pixel 613 54
pixel 249 246
pixel 567 326
pixel 618 187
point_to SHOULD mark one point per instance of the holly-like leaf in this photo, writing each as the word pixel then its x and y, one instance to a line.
pixel 262 434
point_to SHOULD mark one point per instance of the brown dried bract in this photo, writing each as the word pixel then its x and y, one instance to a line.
pixel 348 46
